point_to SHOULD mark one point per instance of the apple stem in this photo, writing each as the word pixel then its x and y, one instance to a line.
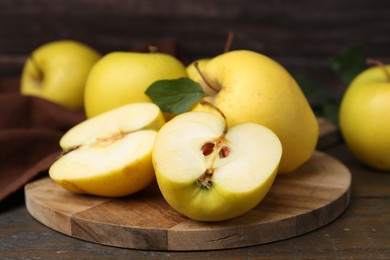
pixel 229 42
pixel 196 64
pixel 205 102
pixel 381 65
pixel 37 68
pixel 152 49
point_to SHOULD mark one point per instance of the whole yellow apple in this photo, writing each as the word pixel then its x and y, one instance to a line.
pixel 251 87
pixel 121 78
pixel 365 117
pixel 57 71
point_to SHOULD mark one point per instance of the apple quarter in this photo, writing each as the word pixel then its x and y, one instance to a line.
pixel 110 154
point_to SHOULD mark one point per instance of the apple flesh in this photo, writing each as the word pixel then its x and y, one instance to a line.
pixel 121 78
pixel 210 174
pixel 111 154
pixel 365 117
pixel 57 71
pixel 251 87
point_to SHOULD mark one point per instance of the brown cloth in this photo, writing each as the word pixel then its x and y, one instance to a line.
pixel 30 128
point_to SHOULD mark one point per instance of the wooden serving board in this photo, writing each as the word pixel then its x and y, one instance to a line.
pixel 302 201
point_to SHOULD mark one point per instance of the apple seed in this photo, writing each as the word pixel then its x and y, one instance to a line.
pixel 207 148
pixel 225 151
pixel 219 149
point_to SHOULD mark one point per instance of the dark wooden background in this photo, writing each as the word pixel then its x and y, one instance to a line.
pixel 301 34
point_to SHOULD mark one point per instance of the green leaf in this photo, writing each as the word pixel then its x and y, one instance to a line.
pixel 175 96
pixel 310 88
pixel 349 63
pixel 331 111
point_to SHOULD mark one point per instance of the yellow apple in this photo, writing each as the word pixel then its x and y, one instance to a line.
pixel 110 154
pixel 210 173
pixel 254 88
pixel 121 78
pixel 365 117
pixel 57 71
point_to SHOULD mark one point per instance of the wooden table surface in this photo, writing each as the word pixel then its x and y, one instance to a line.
pixel 361 232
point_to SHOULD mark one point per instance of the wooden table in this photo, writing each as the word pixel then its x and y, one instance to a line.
pixel 361 232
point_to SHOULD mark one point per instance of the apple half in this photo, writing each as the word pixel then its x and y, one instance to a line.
pixel 208 172
pixel 110 154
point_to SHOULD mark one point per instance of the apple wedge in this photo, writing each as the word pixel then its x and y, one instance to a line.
pixel 208 172
pixel 110 154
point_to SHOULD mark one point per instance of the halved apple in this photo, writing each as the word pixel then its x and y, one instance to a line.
pixel 110 154
pixel 209 172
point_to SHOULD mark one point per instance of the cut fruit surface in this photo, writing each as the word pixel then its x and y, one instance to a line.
pixel 125 119
pixel 110 154
pixel 251 159
pixel 207 174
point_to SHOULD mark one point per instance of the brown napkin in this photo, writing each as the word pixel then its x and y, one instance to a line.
pixel 30 128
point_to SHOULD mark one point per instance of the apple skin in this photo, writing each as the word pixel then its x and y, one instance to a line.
pixel 255 88
pixel 365 118
pixel 57 71
pixel 121 78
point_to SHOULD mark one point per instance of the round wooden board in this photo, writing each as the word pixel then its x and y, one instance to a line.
pixel 297 203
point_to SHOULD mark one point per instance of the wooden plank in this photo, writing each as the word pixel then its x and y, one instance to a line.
pixel 299 202
pixel 53 206
pixel 277 28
